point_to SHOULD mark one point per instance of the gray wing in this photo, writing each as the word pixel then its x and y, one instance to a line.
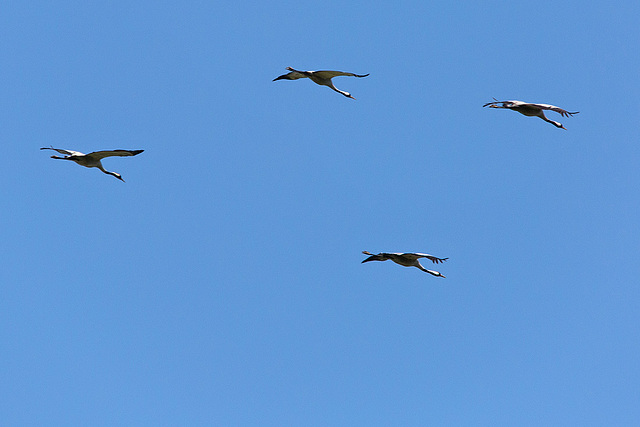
pixel 121 153
pixel 432 258
pixel 374 257
pixel 293 75
pixel 325 74
pixel 562 112
pixel 62 151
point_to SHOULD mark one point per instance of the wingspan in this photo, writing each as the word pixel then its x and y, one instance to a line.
pixel 563 112
pixel 432 258
pixel 373 257
pixel 121 153
pixel 326 74
pixel 293 75
pixel 62 151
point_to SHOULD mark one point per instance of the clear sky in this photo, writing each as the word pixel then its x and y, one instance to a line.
pixel 222 284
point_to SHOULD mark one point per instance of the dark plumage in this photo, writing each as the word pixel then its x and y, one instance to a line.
pixel 92 160
pixel 319 77
pixel 529 109
pixel 406 260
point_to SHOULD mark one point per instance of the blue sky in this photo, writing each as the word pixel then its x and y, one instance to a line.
pixel 222 284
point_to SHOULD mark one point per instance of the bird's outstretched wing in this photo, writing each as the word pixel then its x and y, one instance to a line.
pixel 62 151
pixel 325 74
pixel 121 153
pixel 373 257
pixel 293 75
pixel 563 113
pixel 432 258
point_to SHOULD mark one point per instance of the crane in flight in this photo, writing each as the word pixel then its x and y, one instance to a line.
pixel 407 260
pixel 92 160
pixel 529 109
pixel 319 77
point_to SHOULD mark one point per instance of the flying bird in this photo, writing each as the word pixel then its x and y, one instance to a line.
pixel 406 260
pixel 529 109
pixel 319 77
pixel 92 160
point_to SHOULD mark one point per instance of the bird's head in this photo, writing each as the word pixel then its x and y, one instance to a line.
pixel 117 175
pixel 348 95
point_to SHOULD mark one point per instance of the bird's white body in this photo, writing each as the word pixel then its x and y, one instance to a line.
pixel 530 109
pixel 409 259
pixel 319 77
pixel 92 160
